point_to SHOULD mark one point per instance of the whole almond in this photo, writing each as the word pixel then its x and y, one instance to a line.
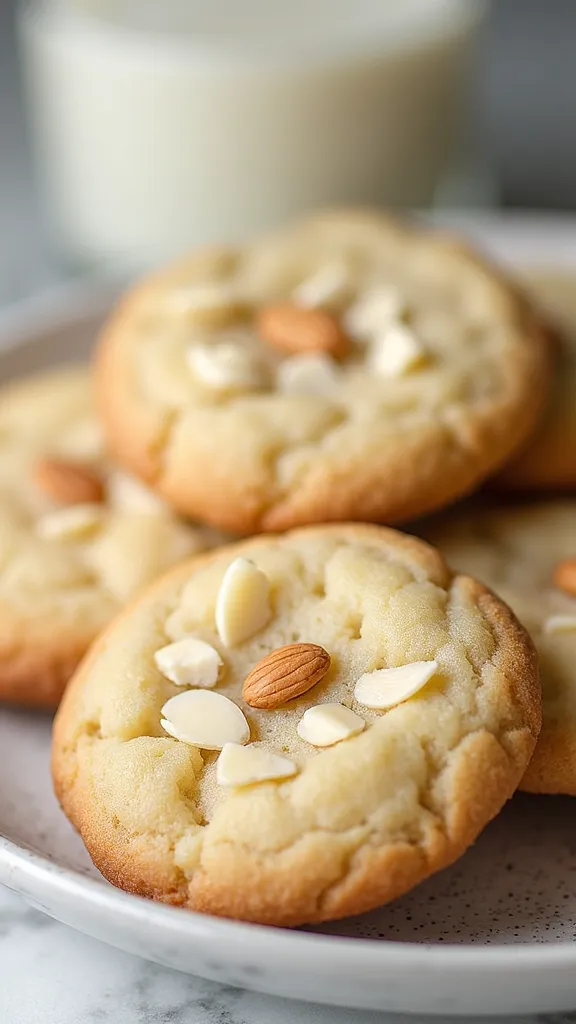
pixel 295 330
pixel 284 674
pixel 68 483
pixel 564 576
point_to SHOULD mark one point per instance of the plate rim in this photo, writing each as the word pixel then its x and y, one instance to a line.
pixel 21 861
pixel 30 873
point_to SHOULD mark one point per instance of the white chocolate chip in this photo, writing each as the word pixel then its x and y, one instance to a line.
pixel 395 352
pixel 243 766
pixel 373 312
pixel 204 719
pixel 189 662
pixel 71 523
pixel 328 284
pixel 387 687
pixel 126 494
pixel 311 374
pixel 243 602
pixel 560 624
pixel 326 724
pixel 226 367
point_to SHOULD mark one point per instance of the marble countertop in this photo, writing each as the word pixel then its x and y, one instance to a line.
pixel 50 974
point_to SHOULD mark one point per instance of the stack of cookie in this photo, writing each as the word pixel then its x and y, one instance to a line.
pixel 304 724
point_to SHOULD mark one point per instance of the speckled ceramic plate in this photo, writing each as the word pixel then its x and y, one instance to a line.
pixel 493 934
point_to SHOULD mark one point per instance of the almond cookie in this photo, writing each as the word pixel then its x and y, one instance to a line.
pixel 528 555
pixel 349 368
pixel 77 538
pixel 548 463
pixel 297 728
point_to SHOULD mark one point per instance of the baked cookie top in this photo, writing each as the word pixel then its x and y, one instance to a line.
pixel 77 537
pixel 350 367
pixel 548 463
pixel 374 712
pixel 528 555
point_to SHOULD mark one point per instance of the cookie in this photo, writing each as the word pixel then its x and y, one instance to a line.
pixel 77 538
pixel 349 368
pixel 373 712
pixel 528 555
pixel 548 462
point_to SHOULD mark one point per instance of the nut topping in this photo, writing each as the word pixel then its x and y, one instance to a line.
pixel 285 674
pixel 294 329
pixel 564 576
pixel 68 483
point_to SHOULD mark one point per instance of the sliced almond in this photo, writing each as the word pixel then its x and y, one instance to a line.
pixel 243 602
pixel 204 719
pixel 71 523
pixel 227 367
pixel 189 662
pixel 327 724
pixel 328 284
pixel 126 494
pixel 395 352
pixel 373 312
pixel 310 374
pixel 68 483
pixel 386 687
pixel 284 674
pixel 243 766
pixel 564 576
pixel 293 329
pixel 560 624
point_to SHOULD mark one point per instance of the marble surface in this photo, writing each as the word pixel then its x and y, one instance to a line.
pixel 52 975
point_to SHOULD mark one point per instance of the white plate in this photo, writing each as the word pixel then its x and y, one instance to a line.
pixel 493 934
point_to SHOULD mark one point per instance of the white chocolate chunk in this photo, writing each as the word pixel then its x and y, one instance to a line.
pixel 311 374
pixel 328 284
pixel 204 719
pixel 71 523
pixel 560 624
pixel 226 367
pixel 243 602
pixel 395 352
pixel 373 312
pixel 126 494
pixel 387 687
pixel 326 724
pixel 243 766
pixel 189 662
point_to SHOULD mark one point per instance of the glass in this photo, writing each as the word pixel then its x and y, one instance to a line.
pixel 159 126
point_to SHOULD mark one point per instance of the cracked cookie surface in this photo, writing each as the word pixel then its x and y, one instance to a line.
pixel 359 822
pixel 66 569
pixel 517 551
pixel 548 463
pixel 452 383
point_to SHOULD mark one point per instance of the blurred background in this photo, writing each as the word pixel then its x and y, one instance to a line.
pixel 516 147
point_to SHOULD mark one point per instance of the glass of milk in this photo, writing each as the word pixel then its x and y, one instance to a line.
pixel 164 124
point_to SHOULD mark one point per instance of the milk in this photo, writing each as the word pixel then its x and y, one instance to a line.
pixel 163 124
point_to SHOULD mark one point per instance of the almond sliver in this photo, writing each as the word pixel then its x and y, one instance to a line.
pixel 205 719
pixel 386 687
pixel 189 662
pixel 243 766
pixel 243 603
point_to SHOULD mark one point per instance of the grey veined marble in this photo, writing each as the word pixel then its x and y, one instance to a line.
pixel 50 974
